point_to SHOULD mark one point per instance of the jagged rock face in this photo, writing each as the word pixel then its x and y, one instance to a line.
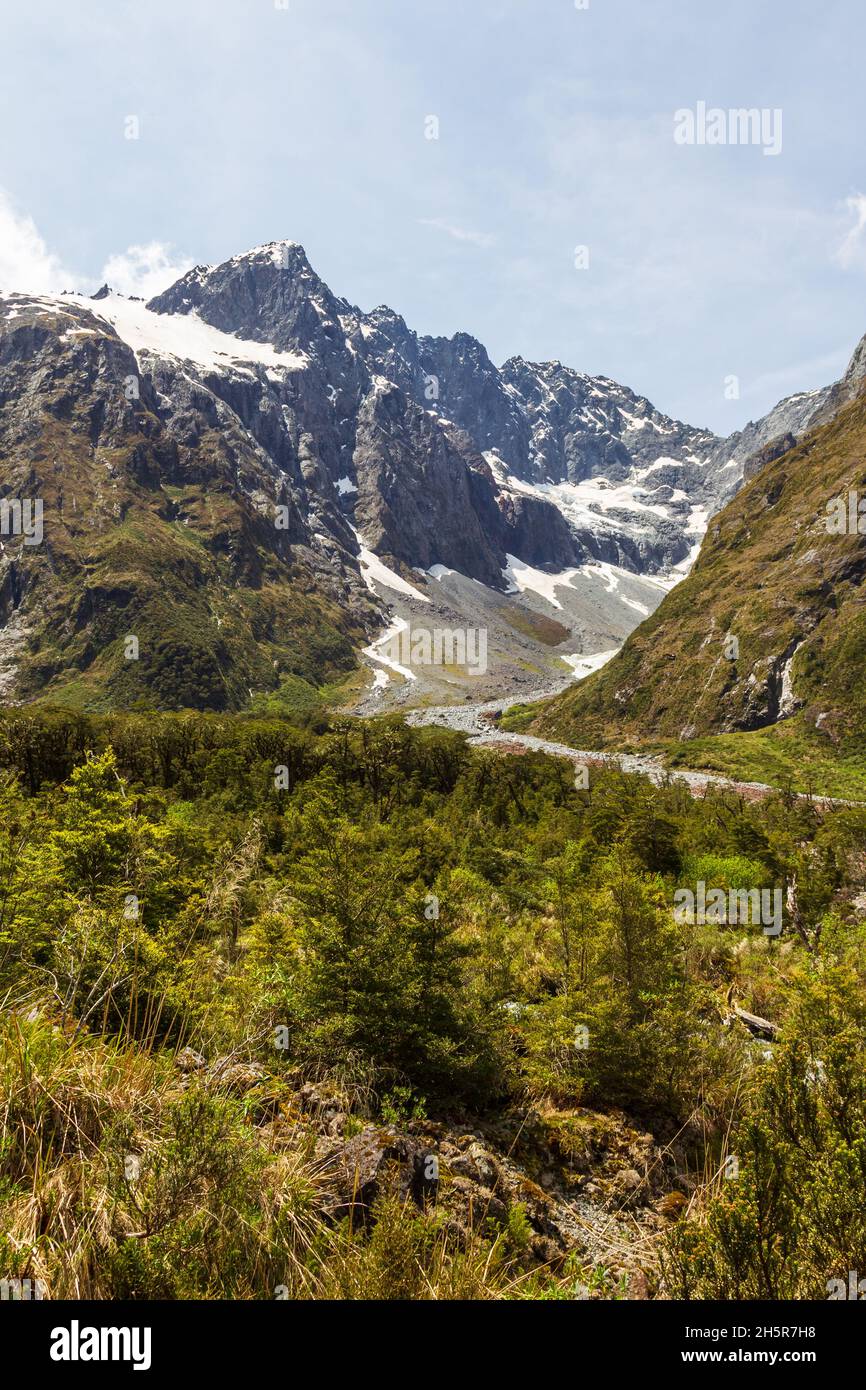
pixel 743 453
pixel 271 295
pixel 476 396
pixel 540 535
pixel 584 426
pixel 544 424
pixel 773 450
pixel 415 493
pixel 361 409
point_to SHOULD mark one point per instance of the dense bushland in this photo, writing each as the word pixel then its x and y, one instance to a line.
pixel 448 932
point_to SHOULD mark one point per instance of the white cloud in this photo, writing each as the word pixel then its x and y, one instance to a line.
pixel 144 270
pixel 851 250
pixel 482 239
pixel 25 261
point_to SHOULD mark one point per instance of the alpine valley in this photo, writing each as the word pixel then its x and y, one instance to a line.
pixel 308 997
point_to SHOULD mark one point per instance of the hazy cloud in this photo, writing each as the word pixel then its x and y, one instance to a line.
pixel 483 239
pixel 25 261
pixel 144 270
pixel 852 249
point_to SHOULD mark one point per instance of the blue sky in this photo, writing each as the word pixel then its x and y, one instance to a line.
pixel 555 131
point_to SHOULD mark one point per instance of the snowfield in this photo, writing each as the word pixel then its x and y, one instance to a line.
pixel 183 336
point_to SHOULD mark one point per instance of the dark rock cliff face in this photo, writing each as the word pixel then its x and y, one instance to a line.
pixel 268 296
pixel 544 424
pixel 415 492
pixel 476 397
pixel 584 426
pixel 774 450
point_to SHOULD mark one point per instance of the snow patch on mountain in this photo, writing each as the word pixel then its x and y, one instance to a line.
pixel 522 577
pixel 375 654
pixel 375 571
pixel 185 336
pixel 584 666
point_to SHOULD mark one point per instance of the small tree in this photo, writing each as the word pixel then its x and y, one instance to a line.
pixel 378 973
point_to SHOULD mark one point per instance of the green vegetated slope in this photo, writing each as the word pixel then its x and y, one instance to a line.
pixel 771 576
pixel 254 979
pixel 172 544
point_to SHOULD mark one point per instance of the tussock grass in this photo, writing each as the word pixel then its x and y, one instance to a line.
pixel 121 1178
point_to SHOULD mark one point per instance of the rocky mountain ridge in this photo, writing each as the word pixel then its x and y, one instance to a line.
pixel 248 441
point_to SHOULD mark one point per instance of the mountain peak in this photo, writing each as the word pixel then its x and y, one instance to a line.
pixel 275 250
pixel 269 294
pixel 271 255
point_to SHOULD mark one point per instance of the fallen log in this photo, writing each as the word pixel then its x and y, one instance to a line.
pixel 761 1027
